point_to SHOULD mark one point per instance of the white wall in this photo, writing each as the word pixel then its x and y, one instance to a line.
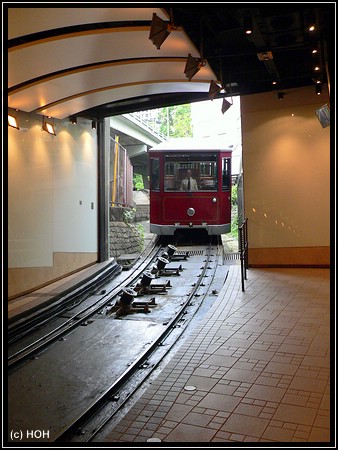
pixel 286 164
pixel 48 176
pixel 75 190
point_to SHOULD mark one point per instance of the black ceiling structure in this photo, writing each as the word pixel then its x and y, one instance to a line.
pixel 279 49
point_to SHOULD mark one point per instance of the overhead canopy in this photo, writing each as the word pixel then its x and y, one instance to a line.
pixel 98 62
pixel 63 61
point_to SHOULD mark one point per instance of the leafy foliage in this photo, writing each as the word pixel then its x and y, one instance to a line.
pixel 176 121
pixel 129 215
pixel 234 195
pixel 138 181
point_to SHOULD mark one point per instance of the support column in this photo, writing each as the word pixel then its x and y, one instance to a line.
pixel 103 139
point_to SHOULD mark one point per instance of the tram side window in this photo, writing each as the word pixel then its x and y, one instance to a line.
pixel 155 174
pixel 226 174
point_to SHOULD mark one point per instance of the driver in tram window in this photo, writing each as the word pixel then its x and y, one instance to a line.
pixel 189 183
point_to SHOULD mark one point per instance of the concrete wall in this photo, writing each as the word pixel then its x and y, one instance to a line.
pixel 52 201
pixel 286 166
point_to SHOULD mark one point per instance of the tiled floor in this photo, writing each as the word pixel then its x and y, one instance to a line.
pixel 255 369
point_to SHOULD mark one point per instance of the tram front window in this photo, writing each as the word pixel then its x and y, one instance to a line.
pixel 190 172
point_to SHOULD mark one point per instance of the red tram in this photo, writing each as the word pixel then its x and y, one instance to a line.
pixel 190 187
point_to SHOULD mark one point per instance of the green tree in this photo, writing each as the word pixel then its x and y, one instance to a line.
pixel 176 121
pixel 138 181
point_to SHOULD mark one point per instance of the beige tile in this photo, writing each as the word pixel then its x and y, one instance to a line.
pixel 248 426
pixel 223 389
pixel 220 402
pixel 267 381
pixel 201 383
pixel 240 343
pixel 198 419
pixel 319 435
pixel 278 434
pixel 325 403
pixel 295 414
pixel 177 412
pixel 268 393
pixel 248 410
pixel 280 368
pixel 273 338
pixel 247 376
pixel 190 433
pixel 316 361
pixel 308 384
pixel 291 348
pixel 258 354
pixel 220 360
pixel 203 372
pixel 322 421
pixel 244 365
pixel 298 400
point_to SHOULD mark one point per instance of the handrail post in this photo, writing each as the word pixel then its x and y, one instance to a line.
pixel 243 244
pixel 241 254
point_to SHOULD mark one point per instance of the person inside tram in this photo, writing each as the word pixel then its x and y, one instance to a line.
pixel 189 183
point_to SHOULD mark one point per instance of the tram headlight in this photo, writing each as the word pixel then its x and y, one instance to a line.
pixel 190 212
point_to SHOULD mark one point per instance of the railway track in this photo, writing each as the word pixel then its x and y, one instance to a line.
pixel 174 304
pixel 26 352
pixel 26 323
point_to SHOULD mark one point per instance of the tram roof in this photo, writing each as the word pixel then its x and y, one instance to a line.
pixel 192 144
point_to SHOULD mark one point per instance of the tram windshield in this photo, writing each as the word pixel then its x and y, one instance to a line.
pixel 190 172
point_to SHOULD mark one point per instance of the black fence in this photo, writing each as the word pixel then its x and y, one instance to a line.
pixel 243 250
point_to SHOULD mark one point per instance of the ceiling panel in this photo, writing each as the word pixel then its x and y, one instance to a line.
pixel 66 53
pixel 98 99
pixel 60 68
pixel 25 21
pixel 86 81
pixel 69 61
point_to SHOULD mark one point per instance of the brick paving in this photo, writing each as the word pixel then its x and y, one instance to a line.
pixel 259 361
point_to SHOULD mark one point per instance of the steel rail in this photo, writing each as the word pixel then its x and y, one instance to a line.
pixel 82 316
pixel 106 398
pixel 23 326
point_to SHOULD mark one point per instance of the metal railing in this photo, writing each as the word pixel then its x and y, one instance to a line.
pixel 121 175
pixel 243 250
pixel 149 125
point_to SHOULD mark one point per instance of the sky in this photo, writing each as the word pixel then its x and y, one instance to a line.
pixel 208 121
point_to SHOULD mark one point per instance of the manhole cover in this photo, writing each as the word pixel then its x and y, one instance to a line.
pixel 154 440
pixel 190 388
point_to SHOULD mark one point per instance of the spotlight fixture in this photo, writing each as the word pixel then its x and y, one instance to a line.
pixel 73 120
pixel 159 30
pixel 247 24
pixel 281 95
pixel 93 124
pixel 265 56
pixel 192 66
pixel 214 89
pixel 274 79
pixel 12 122
pixel 318 88
pixel 48 127
pixel 225 105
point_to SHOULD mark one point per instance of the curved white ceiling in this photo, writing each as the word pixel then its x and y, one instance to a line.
pixel 60 72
